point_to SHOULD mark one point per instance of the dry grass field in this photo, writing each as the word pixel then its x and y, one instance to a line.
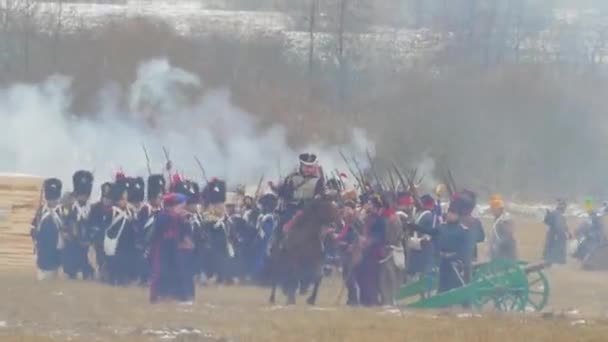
pixel 61 310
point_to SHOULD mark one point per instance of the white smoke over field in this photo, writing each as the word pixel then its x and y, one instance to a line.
pixel 167 107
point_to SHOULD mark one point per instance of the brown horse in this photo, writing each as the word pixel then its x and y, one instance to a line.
pixel 299 256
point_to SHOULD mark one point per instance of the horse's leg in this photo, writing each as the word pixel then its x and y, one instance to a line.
pixel 273 291
pixel 291 286
pixel 313 296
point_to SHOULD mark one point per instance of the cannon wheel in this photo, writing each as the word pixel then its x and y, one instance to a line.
pixel 502 283
pixel 538 290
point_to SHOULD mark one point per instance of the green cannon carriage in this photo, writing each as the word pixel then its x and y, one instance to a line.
pixel 505 285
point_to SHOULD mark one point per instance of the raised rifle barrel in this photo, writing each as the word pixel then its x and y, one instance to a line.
pixel 535 267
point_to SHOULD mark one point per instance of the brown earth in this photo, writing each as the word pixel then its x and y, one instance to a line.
pixel 78 311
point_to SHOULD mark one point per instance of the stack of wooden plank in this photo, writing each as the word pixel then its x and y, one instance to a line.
pixel 20 196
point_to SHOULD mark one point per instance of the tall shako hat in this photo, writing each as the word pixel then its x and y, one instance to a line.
pixel 52 189
pixel 308 159
pixel 136 189
pixel 82 183
pixel 156 186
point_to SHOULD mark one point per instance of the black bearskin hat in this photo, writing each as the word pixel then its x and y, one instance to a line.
pixel 156 186
pixel 137 189
pixel 105 189
pixel 119 189
pixel 82 182
pixel 181 187
pixel 194 194
pixel 215 192
pixel 52 189
pixel 308 159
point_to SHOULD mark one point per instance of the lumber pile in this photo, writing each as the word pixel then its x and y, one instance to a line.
pixel 20 196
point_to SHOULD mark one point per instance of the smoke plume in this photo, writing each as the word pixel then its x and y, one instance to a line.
pixel 42 137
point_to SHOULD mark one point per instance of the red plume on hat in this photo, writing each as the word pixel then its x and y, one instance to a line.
pixel 175 179
pixel 119 175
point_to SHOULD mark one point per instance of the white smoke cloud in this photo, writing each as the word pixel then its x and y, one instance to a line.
pixel 426 168
pixel 41 136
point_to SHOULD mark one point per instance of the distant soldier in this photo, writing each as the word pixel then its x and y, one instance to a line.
pixel 165 279
pixel 98 217
pixel 78 232
pixel 557 235
pixel 119 239
pixel 221 248
pixel 456 244
pixel 46 231
pixel 591 234
pixel 265 226
pixel 185 252
pixel 502 238
pixel 422 244
pixel 347 239
pixel 469 200
pixel 145 218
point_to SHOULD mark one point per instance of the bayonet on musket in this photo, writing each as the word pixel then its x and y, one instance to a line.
pixel 147 158
pixel 200 166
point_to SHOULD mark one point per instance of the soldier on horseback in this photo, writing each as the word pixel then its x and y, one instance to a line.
pixel 298 189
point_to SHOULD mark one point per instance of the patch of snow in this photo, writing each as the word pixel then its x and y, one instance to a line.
pixel 171 334
pixel 578 322
pixel 468 315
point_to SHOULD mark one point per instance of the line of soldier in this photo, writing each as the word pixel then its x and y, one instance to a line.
pixel 182 231
pixel 213 239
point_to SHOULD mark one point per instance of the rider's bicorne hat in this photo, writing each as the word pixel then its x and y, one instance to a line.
pixel 308 159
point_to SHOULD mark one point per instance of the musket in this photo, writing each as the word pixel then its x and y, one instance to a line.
pixel 200 166
pixel 451 179
pixel 392 180
pixel 339 178
pixel 350 169
pixel 400 176
pixel 147 158
pixel 373 168
pixel 364 181
pixel 169 165
pixel 413 187
pixel 259 188
pixel 446 181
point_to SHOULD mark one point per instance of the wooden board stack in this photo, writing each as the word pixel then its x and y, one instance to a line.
pixel 20 196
